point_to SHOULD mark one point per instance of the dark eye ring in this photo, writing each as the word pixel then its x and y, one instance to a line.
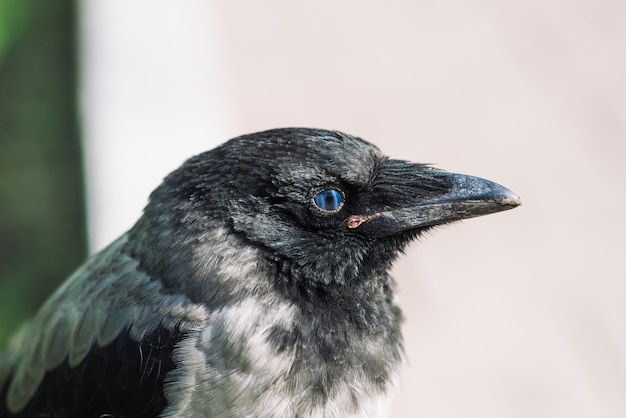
pixel 329 200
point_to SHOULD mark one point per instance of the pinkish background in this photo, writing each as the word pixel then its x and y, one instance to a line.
pixel 519 314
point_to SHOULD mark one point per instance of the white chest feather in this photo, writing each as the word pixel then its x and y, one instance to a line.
pixel 230 369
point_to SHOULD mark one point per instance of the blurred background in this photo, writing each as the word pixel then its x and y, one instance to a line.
pixel 519 314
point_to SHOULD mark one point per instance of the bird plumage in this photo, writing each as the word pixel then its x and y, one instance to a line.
pixel 238 293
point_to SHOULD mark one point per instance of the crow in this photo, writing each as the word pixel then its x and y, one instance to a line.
pixel 255 284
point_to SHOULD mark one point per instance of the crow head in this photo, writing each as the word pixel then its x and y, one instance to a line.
pixel 324 207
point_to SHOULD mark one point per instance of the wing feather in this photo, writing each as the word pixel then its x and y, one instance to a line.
pixel 84 335
pixel 106 296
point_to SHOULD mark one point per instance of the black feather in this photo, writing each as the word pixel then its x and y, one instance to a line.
pixel 122 379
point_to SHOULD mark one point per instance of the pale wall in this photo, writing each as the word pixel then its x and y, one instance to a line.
pixel 519 314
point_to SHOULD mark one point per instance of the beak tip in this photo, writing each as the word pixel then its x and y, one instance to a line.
pixel 476 188
pixel 510 199
pixel 513 201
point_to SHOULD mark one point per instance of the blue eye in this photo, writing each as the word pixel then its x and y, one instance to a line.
pixel 329 200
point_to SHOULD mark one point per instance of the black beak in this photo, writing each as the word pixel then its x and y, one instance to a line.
pixel 464 197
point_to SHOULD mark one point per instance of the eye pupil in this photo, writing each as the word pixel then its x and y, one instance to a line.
pixel 329 200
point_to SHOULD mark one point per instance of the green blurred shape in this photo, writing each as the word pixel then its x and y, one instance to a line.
pixel 42 232
pixel 14 15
